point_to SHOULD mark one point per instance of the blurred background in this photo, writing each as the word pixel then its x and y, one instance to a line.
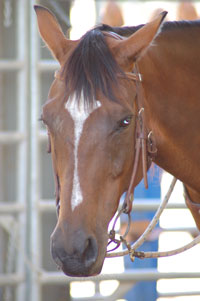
pixel 27 208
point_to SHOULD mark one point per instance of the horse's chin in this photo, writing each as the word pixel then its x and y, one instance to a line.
pixel 91 273
pixel 78 270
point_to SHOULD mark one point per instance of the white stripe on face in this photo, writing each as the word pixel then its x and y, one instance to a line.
pixel 79 115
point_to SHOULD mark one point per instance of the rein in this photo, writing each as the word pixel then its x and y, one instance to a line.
pixel 131 248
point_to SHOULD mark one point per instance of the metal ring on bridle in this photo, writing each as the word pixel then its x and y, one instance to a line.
pixel 112 232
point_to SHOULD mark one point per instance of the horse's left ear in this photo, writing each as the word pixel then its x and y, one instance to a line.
pixel 134 47
pixel 52 34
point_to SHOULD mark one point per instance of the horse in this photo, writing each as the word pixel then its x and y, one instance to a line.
pixel 112 14
pixel 186 11
pixel 109 81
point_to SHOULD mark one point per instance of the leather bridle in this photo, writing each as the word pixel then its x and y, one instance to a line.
pixel 144 145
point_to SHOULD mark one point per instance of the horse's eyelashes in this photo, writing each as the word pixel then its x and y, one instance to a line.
pixel 123 124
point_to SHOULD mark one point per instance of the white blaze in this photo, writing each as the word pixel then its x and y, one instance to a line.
pixel 79 115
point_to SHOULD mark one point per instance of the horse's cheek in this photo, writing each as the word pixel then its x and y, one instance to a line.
pixel 117 168
pixel 120 165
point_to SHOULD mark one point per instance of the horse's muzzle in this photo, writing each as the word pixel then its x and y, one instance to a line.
pixel 77 255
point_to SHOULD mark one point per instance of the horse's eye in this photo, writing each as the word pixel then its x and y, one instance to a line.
pixel 125 122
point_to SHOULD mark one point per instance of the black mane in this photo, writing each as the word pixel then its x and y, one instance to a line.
pixel 91 68
pixel 126 31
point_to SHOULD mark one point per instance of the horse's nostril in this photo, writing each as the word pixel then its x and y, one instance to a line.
pixel 91 251
pixel 76 257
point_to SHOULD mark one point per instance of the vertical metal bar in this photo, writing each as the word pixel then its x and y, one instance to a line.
pixel 33 294
pixel 21 127
pixel 1 150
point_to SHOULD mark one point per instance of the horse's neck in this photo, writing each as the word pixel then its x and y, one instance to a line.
pixel 172 108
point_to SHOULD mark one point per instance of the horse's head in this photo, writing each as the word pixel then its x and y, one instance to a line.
pixel 90 116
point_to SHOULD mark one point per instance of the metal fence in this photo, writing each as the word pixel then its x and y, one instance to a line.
pixel 27 212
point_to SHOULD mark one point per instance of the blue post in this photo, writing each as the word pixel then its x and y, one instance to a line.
pixel 145 291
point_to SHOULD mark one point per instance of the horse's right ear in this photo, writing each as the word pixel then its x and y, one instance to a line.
pixel 51 33
pixel 134 47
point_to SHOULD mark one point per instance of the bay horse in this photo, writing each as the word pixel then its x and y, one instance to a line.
pixel 186 11
pixel 91 116
pixel 112 14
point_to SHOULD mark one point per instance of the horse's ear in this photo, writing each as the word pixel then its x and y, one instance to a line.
pixel 51 33
pixel 136 45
